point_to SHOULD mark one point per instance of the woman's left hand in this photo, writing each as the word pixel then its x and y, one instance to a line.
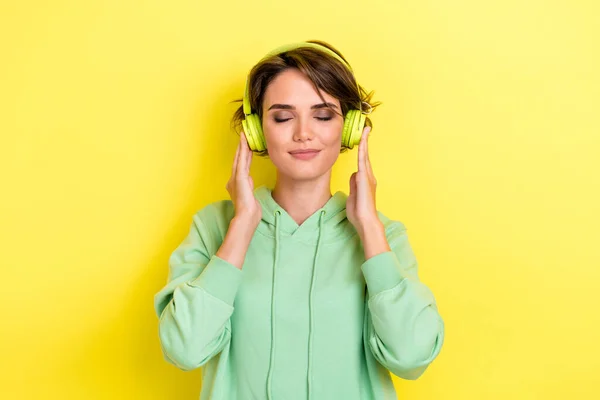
pixel 361 208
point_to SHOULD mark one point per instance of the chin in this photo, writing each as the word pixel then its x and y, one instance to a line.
pixel 305 171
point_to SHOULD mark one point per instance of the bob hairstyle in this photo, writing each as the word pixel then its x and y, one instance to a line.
pixel 324 71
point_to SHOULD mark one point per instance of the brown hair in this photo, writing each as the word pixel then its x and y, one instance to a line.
pixel 325 71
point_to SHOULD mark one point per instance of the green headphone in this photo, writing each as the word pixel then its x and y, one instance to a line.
pixel 354 120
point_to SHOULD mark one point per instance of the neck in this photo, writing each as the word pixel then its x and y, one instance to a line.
pixel 301 199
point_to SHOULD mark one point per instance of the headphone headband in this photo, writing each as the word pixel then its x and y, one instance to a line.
pixel 283 49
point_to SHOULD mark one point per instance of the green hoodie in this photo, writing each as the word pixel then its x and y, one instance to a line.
pixel 307 317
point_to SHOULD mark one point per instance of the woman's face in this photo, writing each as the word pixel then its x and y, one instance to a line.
pixel 295 118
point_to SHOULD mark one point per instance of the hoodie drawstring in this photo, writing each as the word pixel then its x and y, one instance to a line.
pixel 277 214
pixel 310 304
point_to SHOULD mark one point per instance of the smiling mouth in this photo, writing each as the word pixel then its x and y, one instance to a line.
pixel 305 155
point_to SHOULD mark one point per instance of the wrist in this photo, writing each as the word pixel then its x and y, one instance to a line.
pixel 244 226
pixel 373 239
pixel 373 228
pixel 236 242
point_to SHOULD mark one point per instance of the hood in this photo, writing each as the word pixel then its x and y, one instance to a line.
pixel 330 220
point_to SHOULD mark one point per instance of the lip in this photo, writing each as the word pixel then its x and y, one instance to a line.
pixel 305 154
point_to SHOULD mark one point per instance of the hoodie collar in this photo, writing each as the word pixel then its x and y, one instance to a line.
pixel 334 218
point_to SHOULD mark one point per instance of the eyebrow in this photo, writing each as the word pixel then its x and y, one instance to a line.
pixel 290 107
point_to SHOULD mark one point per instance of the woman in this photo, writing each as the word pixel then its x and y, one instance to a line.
pixel 292 292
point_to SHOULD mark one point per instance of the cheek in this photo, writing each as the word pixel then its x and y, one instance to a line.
pixel 272 132
pixel 333 136
pixel 332 141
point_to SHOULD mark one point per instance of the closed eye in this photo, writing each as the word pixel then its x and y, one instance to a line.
pixel 287 119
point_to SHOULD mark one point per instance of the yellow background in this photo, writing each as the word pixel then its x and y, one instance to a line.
pixel 114 118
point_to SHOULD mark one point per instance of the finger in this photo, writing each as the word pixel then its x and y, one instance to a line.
pixel 368 157
pixel 249 161
pixel 361 154
pixel 237 155
pixel 243 157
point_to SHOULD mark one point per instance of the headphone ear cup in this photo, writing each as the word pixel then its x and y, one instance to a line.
pixel 354 123
pixel 346 130
pixel 254 134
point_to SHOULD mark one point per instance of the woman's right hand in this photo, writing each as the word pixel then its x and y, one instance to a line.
pixel 241 186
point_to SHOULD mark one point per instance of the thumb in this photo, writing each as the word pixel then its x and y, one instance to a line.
pixel 353 183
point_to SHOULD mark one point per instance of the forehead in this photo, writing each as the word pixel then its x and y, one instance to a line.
pixel 293 87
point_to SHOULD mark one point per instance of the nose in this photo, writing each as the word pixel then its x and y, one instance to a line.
pixel 302 131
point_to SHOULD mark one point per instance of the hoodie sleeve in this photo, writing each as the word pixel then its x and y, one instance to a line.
pixel 195 306
pixel 403 328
